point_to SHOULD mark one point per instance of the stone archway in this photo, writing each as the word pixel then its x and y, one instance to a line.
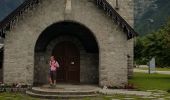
pixel 79 36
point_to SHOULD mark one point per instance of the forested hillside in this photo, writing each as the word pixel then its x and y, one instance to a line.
pixel 153 17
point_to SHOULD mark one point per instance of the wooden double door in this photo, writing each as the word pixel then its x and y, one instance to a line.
pixel 68 56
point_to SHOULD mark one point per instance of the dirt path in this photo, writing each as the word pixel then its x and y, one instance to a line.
pixel 146 71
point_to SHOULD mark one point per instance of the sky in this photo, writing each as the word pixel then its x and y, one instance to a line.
pixel 7 6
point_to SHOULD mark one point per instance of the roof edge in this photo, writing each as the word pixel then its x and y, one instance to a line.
pixel 11 19
pixel 117 18
pixel 7 23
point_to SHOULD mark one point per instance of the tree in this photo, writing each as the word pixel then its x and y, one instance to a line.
pixel 156 45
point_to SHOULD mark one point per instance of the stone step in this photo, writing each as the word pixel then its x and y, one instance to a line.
pixel 63 92
pixel 59 96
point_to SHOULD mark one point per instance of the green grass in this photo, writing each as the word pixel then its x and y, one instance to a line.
pixel 122 97
pixel 19 96
pixel 127 97
pixel 158 69
pixel 116 96
pixel 15 96
pixel 143 81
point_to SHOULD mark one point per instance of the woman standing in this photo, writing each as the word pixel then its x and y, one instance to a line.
pixel 53 68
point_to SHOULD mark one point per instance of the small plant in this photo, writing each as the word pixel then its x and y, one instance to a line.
pixel 15 87
pixel 168 90
pixel 129 86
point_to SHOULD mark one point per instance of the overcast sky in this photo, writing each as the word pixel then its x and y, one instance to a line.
pixel 7 6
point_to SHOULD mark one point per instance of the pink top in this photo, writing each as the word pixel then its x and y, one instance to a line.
pixel 54 65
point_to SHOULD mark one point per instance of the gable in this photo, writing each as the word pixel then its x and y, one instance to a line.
pixel 8 22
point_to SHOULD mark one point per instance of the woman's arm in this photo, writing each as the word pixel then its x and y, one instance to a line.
pixel 57 64
pixel 50 63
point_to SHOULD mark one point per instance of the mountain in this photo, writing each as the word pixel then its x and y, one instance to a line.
pixel 154 14
pixel 141 6
pixel 7 6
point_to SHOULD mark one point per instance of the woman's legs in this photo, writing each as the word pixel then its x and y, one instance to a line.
pixel 50 77
pixel 50 80
pixel 54 77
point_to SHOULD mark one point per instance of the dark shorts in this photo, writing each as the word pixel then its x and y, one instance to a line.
pixel 53 75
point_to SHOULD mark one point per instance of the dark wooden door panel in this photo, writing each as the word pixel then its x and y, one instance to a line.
pixel 61 75
pixel 73 69
pixel 72 77
pixel 68 56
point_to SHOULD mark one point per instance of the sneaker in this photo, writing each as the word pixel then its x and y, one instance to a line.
pixel 54 85
pixel 50 85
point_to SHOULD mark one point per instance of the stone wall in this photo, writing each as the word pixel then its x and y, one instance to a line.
pixel 112 41
pixel 1 64
pixel 1 75
pixel 126 10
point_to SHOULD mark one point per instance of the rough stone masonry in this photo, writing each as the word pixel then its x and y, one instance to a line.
pixel 107 67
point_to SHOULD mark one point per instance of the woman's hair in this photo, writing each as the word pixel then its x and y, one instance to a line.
pixel 52 57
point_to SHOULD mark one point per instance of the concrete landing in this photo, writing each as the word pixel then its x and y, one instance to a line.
pixel 64 91
pixel 69 91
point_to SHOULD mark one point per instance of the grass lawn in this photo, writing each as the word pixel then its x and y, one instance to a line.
pixel 19 96
pixel 158 69
pixel 15 96
pixel 116 97
pixel 144 81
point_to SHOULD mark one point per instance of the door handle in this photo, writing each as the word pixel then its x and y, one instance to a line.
pixel 72 63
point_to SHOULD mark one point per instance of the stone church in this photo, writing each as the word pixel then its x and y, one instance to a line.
pixel 91 39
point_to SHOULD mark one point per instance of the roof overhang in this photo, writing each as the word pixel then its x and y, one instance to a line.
pixel 117 18
pixel 1 46
pixel 10 20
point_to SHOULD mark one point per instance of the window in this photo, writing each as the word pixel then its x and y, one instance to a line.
pixel 117 5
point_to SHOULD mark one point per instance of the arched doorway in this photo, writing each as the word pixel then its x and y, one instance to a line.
pixel 76 49
pixel 68 56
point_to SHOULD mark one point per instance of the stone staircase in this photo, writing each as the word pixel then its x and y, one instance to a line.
pixel 67 92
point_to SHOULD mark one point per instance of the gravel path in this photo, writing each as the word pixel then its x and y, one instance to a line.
pixel 123 91
pixel 146 71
